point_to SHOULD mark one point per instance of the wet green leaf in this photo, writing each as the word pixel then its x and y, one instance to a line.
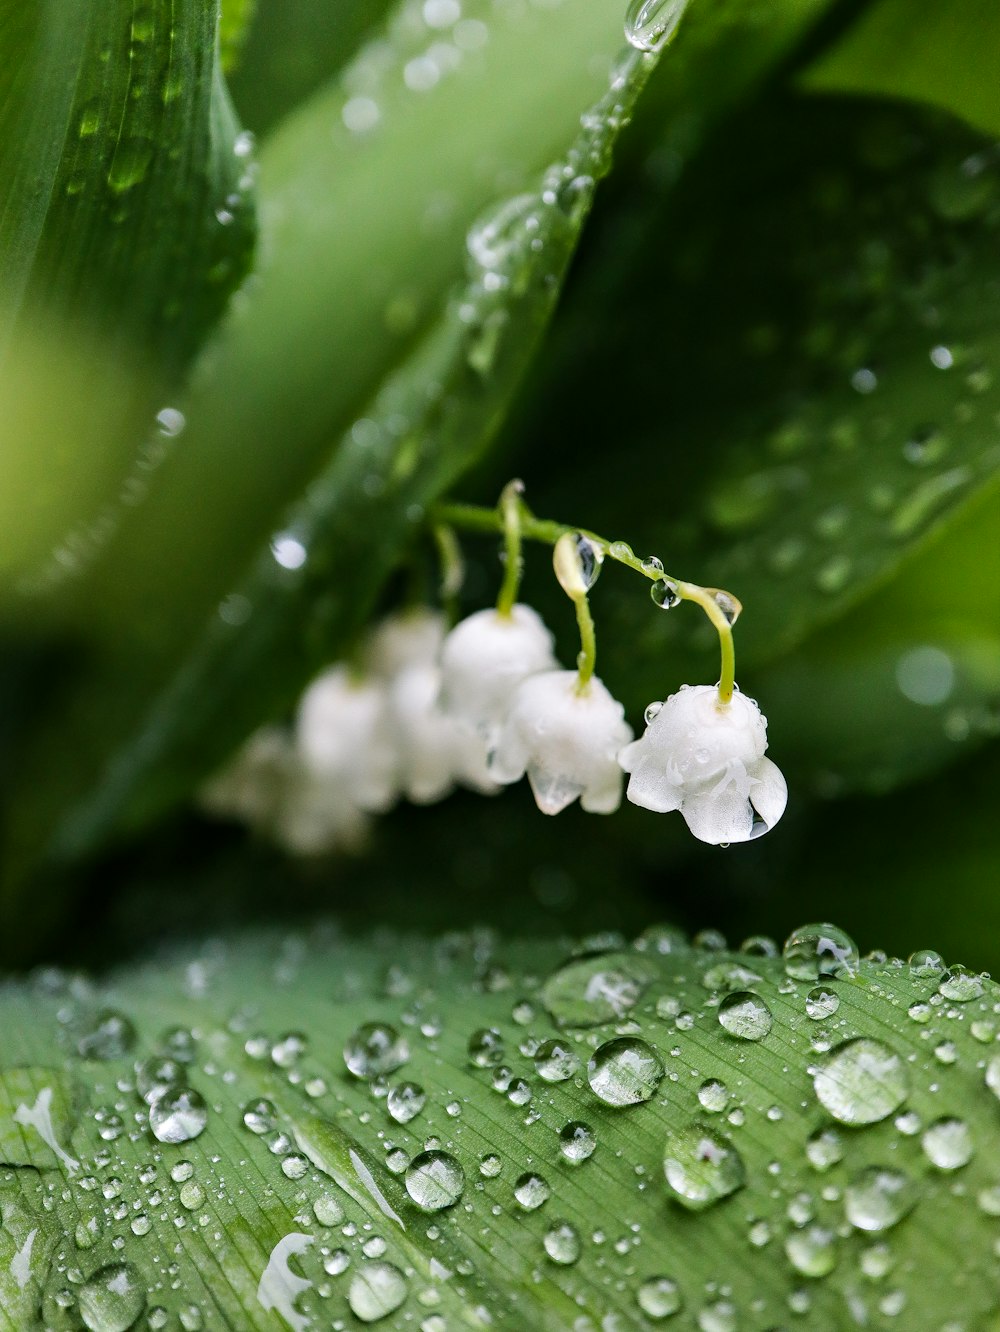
pixel 840 1164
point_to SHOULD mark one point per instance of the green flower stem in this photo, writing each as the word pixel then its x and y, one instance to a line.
pixel 587 659
pixel 452 568
pixel 476 518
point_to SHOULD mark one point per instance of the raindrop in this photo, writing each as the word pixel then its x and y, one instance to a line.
pixel 821 1003
pixel 112 1299
pixel 490 1165
pixel 877 1197
pixel 562 1243
pixel 531 1191
pixel 713 1096
pixel 745 1015
pixel 375 1049
pixel 485 1047
pixel 405 1101
pixel 861 1082
pixel 577 1140
pixel 154 1077
pixel 947 1143
pixel 327 1210
pixel 814 951
pixel 178 1116
pixel 730 606
pixel 960 985
pixel 701 1167
pixel 108 1034
pixel 624 1071
pixel 555 1061
pixel 596 988
pixel 812 1251
pixel 824 1148
pixel 649 24
pixel 665 594
pixel 434 1180
pixel 658 1297
pixel 260 1116
pixel 577 562
pixel 377 1289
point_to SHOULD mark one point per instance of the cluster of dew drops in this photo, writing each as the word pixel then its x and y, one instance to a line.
pixel 857 1081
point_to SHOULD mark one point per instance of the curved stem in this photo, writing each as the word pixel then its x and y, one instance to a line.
pixel 703 598
pixel 509 513
pixel 452 568
pixel 587 660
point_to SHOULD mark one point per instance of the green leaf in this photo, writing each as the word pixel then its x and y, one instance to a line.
pixel 817 1135
pixel 125 223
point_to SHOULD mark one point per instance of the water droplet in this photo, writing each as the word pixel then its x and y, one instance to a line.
pixel 577 1140
pixel 490 1166
pixel 104 1035
pixel 877 1197
pixel 701 1167
pixel 947 1143
pixel 112 1299
pixel 154 1077
pixel 405 1101
pixel 377 1289
pixel 624 1071
pixel 260 1116
pixel 812 1251
pixel 562 1243
pixel 327 1210
pixel 745 1015
pixel 375 1049
pixel 814 951
pixel 555 1061
pixel 485 1047
pixel 960 985
pixel 726 976
pixel 861 1082
pixel 665 594
pixel 730 606
pixel 596 988
pixel 288 551
pixel 178 1116
pixel 434 1180
pixel 497 237
pixel 659 1297
pixel 822 1003
pixel 713 1096
pixel 577 562
pixel 993 1076
pixel 649 24
pixel 531 1191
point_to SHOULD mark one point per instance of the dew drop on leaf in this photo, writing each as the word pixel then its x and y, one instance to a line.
pixel 947 1143
pixel 814 951
pixel 178 1116
pixel 532 1190
pixel 112 1299
pixel 434 1180
pixel 877 1197
pixel 812 1251
pixel 577 1140
pixel 555 1061
pixel 659 1297
pixel 624 1071
pixel 374 1049
pixel 377 1289
pixel 745 1016
pixel 701 1166
pixel 405 1101
pixel 861 1082
pixel 562 1243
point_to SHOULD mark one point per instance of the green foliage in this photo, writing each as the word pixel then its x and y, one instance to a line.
pixel 552 1192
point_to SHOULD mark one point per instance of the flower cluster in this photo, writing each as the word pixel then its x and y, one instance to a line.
pixel 481 707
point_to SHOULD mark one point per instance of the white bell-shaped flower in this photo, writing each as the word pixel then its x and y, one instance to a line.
pixel 567 741
pixel 485 658
pixel 250 787
pixel 318 815
pixel 706 758
pixel 434 749
pixel 404 639
pixel 344 735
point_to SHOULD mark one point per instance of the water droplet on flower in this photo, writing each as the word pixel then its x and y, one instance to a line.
pixel 531 1191
pixel 665 594
pixel 562 1243
pixel 374 1050
pixel 577 1140
pixel 659 1297
pixel 624 1071
pixel 649 24
pixel 814 951
pixel 947 1143
pixel 405 1101
pixel 861 1082
pixel 701 1167
pixel 434 1180
pixel 877 1197
pixel 377 1289
pixel 555 1061
pixel 745 1015
pixel 112 1299
pixel 178 1116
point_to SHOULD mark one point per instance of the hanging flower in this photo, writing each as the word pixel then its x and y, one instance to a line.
pixel 706 758
pixel 485 658
pixel 567 741
pixel 343 734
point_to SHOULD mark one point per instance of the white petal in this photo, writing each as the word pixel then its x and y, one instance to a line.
pixel 768 795
pixel 553 791
pixel 650 785
pixel 343 732
pixel 719 817
pixel 603 797
pixel 485 658
pixel 408 638
pixel 252 783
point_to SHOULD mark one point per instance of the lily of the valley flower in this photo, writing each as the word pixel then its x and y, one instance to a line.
pixel 343 734
pixel 483 661
pixel 706 758
pixel 566 740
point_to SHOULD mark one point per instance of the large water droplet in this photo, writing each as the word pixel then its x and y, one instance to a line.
pixel 861 1082
pixel 701 1166
pixel 599 987
pixel 532 1190
pixel 624 1071
pixel 649 24
pixel 377 1289
pixel 947 1143
pixel 664 594
pixel 824 1148
pixel 814 951
pixel 658 1297
pixel 405 1101
pixel 112 1299
pixel 434 1180
pixel 555 1061
pixel 745 1015
pixel 562 1243
pixel 375 1049
pixel 178 1116
pixel 577 1140
pixel 877 1197
pixel 960 985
